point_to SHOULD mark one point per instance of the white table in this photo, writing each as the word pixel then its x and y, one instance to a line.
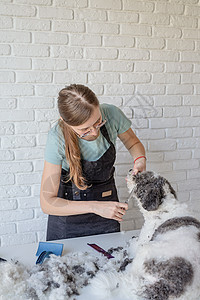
pixel 26 253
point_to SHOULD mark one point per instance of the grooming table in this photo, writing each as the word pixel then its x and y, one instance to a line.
pixel 26 253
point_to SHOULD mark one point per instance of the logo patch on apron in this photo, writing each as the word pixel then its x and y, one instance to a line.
pixel 107 193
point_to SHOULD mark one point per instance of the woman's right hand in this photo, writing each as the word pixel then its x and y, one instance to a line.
pixel 110 209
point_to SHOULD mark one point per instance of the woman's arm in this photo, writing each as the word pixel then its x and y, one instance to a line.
pixel 53 205
pixel 135 148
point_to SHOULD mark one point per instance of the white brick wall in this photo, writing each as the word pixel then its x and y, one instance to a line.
pixel 142 56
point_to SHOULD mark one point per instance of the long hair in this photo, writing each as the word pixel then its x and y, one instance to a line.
pixel 76 103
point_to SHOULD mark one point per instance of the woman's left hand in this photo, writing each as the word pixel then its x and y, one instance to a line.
pixel 139 165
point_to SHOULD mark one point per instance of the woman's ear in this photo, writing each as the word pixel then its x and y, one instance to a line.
pixel 61 118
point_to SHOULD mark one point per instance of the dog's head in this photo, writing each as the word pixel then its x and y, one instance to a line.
pixel 149 188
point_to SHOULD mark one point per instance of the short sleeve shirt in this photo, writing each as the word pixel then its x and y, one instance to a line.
pixel 116 124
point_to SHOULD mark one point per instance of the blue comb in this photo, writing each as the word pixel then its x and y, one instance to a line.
pixel 46 248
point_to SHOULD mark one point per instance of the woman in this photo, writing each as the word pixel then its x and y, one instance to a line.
pixel 78 190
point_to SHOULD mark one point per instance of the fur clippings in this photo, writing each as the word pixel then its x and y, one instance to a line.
pixel 58 278
pixel 162 264
pixel 166 265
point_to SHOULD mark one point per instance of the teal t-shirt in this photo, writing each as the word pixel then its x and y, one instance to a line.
pixel 117 123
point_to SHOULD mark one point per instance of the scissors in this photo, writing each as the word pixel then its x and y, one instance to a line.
pixel 130 196
pixel 132 192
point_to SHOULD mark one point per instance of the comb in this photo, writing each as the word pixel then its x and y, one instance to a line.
pixel 101 250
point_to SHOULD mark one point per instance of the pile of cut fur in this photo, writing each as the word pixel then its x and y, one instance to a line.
pixel 58 277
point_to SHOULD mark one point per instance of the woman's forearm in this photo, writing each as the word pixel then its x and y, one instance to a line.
pixel 132 143
pixel 138 154
pixel 137 150
pixel 63 207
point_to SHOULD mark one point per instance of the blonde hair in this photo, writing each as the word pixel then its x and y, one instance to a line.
pixel 76 103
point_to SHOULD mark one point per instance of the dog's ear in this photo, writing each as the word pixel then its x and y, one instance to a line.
pixel 171 190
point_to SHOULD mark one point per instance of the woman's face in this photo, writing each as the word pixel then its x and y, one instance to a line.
pixel 90 126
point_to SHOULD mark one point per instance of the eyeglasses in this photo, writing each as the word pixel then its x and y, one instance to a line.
pixel 97 127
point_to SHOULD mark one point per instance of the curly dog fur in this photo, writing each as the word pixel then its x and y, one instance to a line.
pixel 167 261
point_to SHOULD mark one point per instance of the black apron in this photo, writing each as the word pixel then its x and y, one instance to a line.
pixel 100 175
